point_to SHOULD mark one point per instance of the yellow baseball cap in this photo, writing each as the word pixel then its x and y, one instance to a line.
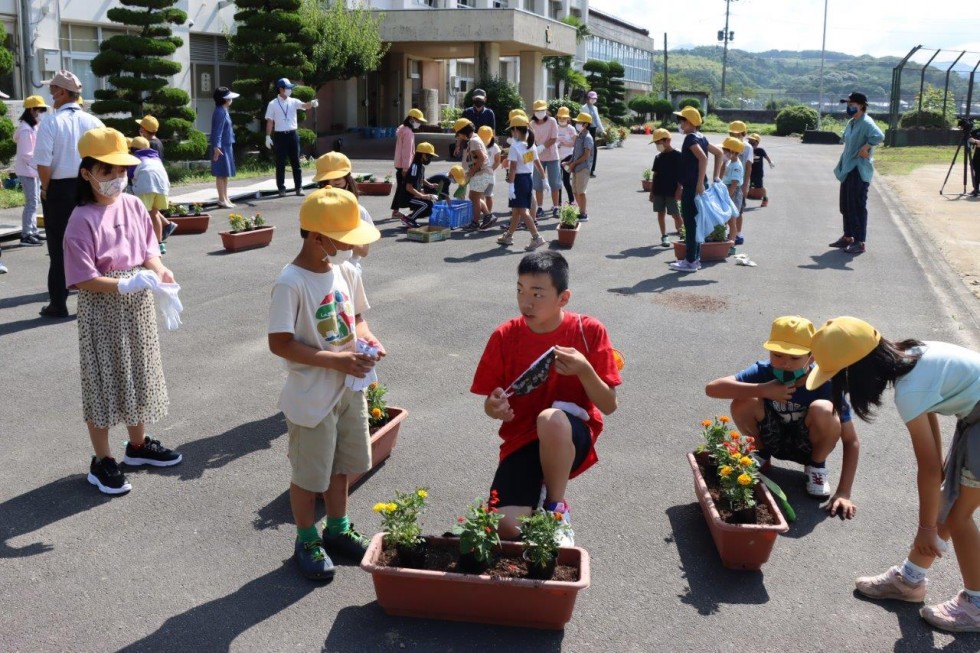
pixel 139 143
pixel 458 174
pixel 485 133
pixel 540 105
pixel 35 102
pixel 417 114
pixel 584 117
pixel 518 121
pixel 150 124
pixel 426 148
pixel 691 115
pixel 461 124
pixel 790 335
pixel 106 145
pixel 737 126
pixel 334 213
pixel 563 112
pixel 660 134
pixel 332 165
pixel 840 342
pixel 755 137
pixel 733 144
pixel 516 112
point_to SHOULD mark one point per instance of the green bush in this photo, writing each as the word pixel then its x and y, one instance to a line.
pixel 502 96
pixel 795 120
pixel 306 136
pixel 689 102
pixel 924 118
pixel 573 107
pixel 662 108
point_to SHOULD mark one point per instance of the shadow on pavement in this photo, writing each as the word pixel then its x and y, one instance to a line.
pixel 33 323
pixel 670 281
pixel 20 300
pixel 709 584
pixel 368 628
pixel 42 507
pixel 646 251
pixel 498 250
pixel 219 450
pixel 809 512
pixel 214 625
pixel 917 635
pixel 835 259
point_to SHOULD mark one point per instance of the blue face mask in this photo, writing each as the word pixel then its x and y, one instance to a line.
pixel 851 110
pixel 789 377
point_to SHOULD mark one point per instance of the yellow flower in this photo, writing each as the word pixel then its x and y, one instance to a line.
pixel 379 507
pixel 725 471
pixel 706 423
pixel 391 507
pixel 745 479
pixel 422 493
pixel 746 461
pixel 724 419
pixel 376 413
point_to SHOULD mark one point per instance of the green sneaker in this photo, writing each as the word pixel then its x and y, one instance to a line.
pixel 349 544
pixel 664 242
pixel 313 561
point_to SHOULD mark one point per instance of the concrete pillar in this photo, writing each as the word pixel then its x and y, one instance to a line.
pixel 488 60
pixel 532 76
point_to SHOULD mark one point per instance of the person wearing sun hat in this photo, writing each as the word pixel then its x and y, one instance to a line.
pixel 494 154
pixel 580 163
pixel 757 181
pixel 545 130
pixel 566 143
pixel 418 187
pixel 404 152
pixel 666 191
pixel 149 126
pixel 930 378
pixel 316 323
pixel 151 184
pixel 334 169
pixel 772 402
pixel 595 126
pixel 222 142
pixel 113 258
pixel 25 136
pixel 479 171
pixel 738 130
pixel 733 177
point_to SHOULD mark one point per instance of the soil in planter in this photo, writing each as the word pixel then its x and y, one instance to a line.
pixel 759 514
pixel 441 558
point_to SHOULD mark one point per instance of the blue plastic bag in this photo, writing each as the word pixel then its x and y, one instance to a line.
pixel 714 207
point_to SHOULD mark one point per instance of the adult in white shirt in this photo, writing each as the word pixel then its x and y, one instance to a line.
pixel 57 159
pixel 596 128
pixel 281 136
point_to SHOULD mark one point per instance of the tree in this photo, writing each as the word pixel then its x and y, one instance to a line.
pixel 272 40
pixel 566 78
pixel 643 105
pixel 7 145
pixel 348 40
pixel 137 65
pixel 616 92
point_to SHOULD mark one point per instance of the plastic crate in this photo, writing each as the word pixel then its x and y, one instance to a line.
pixel 453 214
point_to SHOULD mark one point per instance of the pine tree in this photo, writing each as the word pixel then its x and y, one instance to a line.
pixel 137 65
pixel 7 145
pixel 615 106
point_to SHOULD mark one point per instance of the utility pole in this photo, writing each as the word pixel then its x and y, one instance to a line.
pixel 666 85
pixel 725 36
pixel 823 50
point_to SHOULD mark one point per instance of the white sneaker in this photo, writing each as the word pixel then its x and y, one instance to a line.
pixel 3 268
pixel 684 266
pixel 817 484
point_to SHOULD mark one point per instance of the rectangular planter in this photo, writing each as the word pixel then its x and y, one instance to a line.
pixel 465 597
pixel 374 188
pixel 709 251
pixel 429 234
pixel 383 440
pixel 741 546
pixel 190 224
pixel 242 240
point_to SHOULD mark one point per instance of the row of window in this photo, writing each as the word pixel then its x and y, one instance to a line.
pixel 637 61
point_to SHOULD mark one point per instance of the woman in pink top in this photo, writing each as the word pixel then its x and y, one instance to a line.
pixel 25 136
pixel 404 153
pixel 113 258
pixel 545 130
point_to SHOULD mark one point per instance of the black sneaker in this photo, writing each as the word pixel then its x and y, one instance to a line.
pixel 168 230
pixel 313 561
pixel 349 544
pixel 30 241
pixel 539 213
pixel 409 223
pixel 471 226
pixel 282 192
pixel 106 475
pixel 40 237
pixel 151 453
pixel 488 221
pixel 299 192
pixel 584 217
pixel 53 311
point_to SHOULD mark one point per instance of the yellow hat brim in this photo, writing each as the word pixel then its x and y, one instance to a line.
pixel 818 377
pixel 788 348
pixel 332 174
pixel 118 159
pixel 362 234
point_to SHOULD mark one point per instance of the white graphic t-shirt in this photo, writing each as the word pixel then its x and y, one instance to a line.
pixel 319 310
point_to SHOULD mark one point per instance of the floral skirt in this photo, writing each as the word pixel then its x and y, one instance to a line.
pixel 119 352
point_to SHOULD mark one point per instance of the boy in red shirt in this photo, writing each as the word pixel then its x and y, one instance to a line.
pixel 548 433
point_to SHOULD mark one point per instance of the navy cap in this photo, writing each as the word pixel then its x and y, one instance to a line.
pixel 858 98
pixel 284 82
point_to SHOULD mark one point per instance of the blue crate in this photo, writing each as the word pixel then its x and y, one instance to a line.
pixel 453 214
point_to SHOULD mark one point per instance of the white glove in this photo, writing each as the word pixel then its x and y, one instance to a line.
pixel 545 188
pixel 268 141
pixel 511 192
pixel 169 304
pixel 142 280
pixel 510 140
pixel 314 103
pixel 539 148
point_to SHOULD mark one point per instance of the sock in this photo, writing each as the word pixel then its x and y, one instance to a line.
pixel 974 596
pixel 337 525
pixel 307 534
pixel 138 446
pixel 814 463
pixel 912 572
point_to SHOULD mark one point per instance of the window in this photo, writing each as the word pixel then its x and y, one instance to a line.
pixel 79 45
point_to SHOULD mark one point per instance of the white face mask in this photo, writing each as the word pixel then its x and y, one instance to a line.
pixel 660 147
pixel 416 124
pixel 540 114
pixel 341 256
pixel 287 92
pixel 111 188
pixel 579 127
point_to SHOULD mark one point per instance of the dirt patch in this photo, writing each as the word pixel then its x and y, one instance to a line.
pixel 691 302
pixel 442 558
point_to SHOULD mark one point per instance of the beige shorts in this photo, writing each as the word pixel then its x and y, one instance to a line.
pixel 154 201
pixel 480 182
pixel 580 182
pixel 340 444
pixel 967 479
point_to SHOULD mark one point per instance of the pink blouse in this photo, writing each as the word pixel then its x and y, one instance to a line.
pixel 404 147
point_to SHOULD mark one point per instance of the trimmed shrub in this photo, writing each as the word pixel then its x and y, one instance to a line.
pixel 689 102
pixel 924 118
pixel 795 120
pixel 573 107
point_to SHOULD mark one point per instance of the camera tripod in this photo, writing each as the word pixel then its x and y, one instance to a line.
pixel 966 124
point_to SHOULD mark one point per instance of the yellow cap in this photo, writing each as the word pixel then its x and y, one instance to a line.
pixel 332 165
pixel 460 124
pixel 35 102
pixel 584 117
pixel 563 112
pixel 755 137
pixel 485 133
pixel 417 114
pixel 334 213
pixel 691 115
pixel 106 145
pixel 660 134
pixel 733 144
pixel 458 174
pixel 540 105
pixel 138 143
pixel 840 342
pixel 737 126
pixel 426 148
pixel 790 335
pixel 150 124
pixel 518 121
pixel 516 112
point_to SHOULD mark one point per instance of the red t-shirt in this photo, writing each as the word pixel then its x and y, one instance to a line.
pixel 511 350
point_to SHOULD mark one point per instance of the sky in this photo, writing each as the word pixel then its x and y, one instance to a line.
pixel 875 27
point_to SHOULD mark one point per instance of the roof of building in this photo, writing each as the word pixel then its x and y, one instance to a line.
pixel 618 21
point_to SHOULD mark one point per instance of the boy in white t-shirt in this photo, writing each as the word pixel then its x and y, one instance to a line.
pixel 315 323
pixel 522 159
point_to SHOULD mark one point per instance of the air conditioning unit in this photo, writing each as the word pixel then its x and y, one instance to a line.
pixel 454 82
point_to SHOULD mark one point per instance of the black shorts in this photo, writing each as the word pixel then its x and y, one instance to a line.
pixel 784 440
pixel 519 477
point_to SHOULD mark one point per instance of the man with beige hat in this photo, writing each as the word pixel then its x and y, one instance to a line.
pixel 57 159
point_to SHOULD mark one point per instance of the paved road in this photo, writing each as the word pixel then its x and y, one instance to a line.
pixel 197 558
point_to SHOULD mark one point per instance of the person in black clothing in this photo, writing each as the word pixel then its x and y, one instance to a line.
pixel 666 192
pixel 756 180
pixel 479 114
pixel 420 202
pixel 974 142
pixel 149 126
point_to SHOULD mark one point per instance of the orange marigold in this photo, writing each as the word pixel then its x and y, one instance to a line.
pixel 376 413
pixel 706 423
pixel 724 419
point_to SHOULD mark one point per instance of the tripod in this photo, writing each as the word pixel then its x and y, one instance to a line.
pixel 967 126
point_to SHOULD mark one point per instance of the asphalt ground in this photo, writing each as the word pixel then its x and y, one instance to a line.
pixel 197 558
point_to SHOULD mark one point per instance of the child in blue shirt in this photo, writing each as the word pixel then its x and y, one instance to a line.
pixel 788 421
pixel 733 177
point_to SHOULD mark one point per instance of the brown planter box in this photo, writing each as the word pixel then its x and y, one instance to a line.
pixel 242 240
pixel 566 237
pixel 374 188
pixel 741 546
pixel 429 234
pixel 465 597
pixel 647 186
pixel 713 251
pixel 383 440
pixel 190 224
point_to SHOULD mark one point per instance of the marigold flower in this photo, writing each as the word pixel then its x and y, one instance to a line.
pixel 373 386
pixel 735 435
pixel 460 520
pixel 724 419
pixel 745 479
pixel 706 423
pixel 392 507
pixel 379 507
pixel 725 471
pixel 488 529
pixel 557 516
pixel 422 493
pixel 376 413
pixel 746 461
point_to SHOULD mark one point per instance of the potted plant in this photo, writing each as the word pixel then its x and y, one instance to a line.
pixel 384 423
pixel 715 247
pixel 540 532
pixel 369 185
pixel 647 180
pixel 192 221
pixel 568 225
pixel 402 530
pixel 622 132
pixel 477 533
pixel 246 233
pixel 612 137
pixel 742 516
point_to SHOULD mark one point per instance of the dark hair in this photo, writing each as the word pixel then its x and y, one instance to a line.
pixel 418 158
pixel 351 185
pixel 219 95
pixel 523 131
pixel 865 381
pixel 493 140
pixel 85 194
pixel 467 131
pixel 408 122
pixel 547 262
pixel 28 117
pixel 530 138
